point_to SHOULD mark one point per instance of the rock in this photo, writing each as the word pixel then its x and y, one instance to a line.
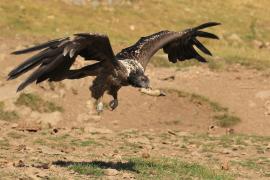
pixel 145 155
pixel 111 172
pixel 21 147
pixel 225 165
pixel 230 131
pixel 132 27
pixel 41 165
pixel 267 107
pixel 258 44
pixel 226 151
pixel 128 176
pixel 170 78
pixel 20 163
pixel 171 132
pixel 28 126
pixel 234 37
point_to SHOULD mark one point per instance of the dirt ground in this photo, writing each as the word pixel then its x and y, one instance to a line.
pixel 40 145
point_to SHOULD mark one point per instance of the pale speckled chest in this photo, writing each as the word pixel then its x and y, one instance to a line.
pixel 131 65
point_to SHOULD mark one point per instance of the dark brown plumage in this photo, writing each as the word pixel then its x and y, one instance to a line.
pixel 112 71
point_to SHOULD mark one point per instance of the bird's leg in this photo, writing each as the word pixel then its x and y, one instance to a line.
pixel 114 103
pixel 99 106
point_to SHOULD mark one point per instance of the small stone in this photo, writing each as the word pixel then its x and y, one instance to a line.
pixel 145 155
pixel 19 164
pixel 21 147
pixel 226 151
pixel 128 176
pixel 111 172
pixel 258 44
pixel 41 165
pixel 225 165
pixel 229 131
pixel 28 126
pixel 132 27
pixel 234 37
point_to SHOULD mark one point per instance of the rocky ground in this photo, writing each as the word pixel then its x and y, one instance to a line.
pixel 210 125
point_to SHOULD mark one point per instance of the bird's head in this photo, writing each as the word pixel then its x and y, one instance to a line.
pixel 138 79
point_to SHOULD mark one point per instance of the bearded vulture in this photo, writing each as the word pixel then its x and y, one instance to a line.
pixel 56 57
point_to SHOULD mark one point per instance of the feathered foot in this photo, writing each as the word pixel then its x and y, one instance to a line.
pixel 99 107
pixel 113 104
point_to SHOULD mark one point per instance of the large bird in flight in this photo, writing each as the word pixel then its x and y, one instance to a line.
pixel 56 57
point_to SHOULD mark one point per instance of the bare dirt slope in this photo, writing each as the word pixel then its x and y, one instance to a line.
pixel 48 144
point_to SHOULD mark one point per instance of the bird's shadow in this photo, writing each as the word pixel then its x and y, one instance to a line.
pixel 120 166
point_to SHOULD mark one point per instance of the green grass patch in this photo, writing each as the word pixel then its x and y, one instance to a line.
pixel 36 103
pixel 216 107
pixel 261 164
pixel 165 168
pixel 84 143
pixel 87 169
pixel 7 115
pixel 162 168
pixel 226 120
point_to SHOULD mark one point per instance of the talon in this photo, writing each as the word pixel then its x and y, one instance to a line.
pixel 99 107
pixel 113 104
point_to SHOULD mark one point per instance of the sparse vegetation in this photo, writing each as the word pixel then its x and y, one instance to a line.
pixel 261 165
pixel 36 103
pixel 222 116
pixel 7 115
pixel 15 135
pixel 226 120
pixel 87 169
pixel 153 169
pixel 236 46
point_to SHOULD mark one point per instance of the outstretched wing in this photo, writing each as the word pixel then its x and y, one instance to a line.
pixel 178 45
pixel 57 56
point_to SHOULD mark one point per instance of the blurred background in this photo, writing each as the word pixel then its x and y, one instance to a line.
pixel 213 123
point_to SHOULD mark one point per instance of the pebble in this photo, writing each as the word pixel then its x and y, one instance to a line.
pixel 111 172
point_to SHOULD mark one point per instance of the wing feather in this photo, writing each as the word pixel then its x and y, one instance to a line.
pixel 57 56
pixel 178 45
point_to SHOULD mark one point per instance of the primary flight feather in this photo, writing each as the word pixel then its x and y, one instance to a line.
pixel 112 71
